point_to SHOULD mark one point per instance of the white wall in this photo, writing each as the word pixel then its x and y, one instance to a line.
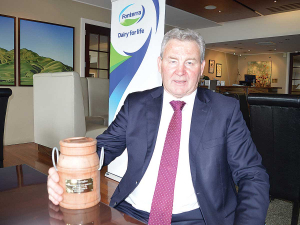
pixel 279 65
pixel 229 66
pixel 19 117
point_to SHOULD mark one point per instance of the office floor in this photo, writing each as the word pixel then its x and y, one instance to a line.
pixel 279 213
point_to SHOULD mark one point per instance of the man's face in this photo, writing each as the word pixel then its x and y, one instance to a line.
pixel 180 67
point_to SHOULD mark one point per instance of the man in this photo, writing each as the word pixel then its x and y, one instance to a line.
pixel 204 148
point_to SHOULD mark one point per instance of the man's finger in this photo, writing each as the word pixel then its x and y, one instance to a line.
pixel 58 198
pixel 53 200
pixel 53 175
pixel 55 186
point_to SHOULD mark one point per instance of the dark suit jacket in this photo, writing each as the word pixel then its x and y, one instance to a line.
pixel 221 153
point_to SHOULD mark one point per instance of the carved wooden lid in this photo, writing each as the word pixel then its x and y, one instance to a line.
pixel 78 146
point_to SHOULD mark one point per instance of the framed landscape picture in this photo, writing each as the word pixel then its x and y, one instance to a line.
pixel 219 70
pixel 44 48
pixel 7 51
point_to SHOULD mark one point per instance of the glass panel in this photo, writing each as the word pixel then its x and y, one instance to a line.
pixel 104 43
pixel 93 73
pixel 296 61
pixel 94 41
pixel 296 73
pixel 103 60
pixel 103 74
pixel 296 85
pixel 93 59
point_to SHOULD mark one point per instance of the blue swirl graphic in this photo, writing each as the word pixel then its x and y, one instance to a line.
pixel 142 14
pixel 156 5
pixel 122 76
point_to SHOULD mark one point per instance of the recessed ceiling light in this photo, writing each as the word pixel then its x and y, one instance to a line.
pixel 240 54
pixel 275 1
pixel 249 50
pixel 210 7
pixel 274 49
pixel 220 11
pixel 234 53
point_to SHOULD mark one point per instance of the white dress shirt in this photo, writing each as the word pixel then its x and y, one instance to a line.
pixel 184 194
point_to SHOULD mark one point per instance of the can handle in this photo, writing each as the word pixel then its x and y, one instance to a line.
pixel 57 156
pixel 101 158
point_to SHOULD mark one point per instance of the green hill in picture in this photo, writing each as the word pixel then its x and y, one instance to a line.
pixel 30 64
pixel 7 69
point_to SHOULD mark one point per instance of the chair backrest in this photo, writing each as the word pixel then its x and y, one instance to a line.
pixel 243 106
pixel 58 108
pixel 98 96
pixel 85 95
pixel 4 95
pixel 95 96
pixel 275 129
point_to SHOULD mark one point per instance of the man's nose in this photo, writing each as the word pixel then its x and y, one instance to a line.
pixel 180 71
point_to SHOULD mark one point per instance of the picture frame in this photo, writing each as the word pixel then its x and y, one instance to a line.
pixel 211 66
pixel 7 50
pixel 44 48
pixel 219 70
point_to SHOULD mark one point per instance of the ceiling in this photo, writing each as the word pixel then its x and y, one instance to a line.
pixel 192 14
pixel 268 45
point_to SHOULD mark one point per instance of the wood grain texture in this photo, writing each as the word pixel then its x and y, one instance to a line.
pixel 77 167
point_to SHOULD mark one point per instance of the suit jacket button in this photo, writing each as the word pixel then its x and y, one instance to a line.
pixel 115 203
pixel 136 182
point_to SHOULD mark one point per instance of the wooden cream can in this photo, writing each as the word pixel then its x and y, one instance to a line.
pixel 79 174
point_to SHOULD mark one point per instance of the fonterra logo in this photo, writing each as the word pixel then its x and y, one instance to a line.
pixel 131 15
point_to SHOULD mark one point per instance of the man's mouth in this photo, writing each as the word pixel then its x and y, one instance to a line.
pixel 179 81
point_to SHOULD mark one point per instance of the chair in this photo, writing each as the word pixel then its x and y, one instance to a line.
pixel 275 129
pixel 95 97
pixel 59 109
pixel 4 95
pixel 243 106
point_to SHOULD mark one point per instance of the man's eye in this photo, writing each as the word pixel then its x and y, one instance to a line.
pixel 173 61
pixel 189 62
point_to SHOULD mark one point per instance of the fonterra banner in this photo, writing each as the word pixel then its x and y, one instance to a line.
pixel 137 29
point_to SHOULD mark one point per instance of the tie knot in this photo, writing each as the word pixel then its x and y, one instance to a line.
pixel 177 105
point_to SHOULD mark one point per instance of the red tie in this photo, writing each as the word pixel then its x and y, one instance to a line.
pixel 162 202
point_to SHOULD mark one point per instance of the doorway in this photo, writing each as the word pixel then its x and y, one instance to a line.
pixel 294 74
pixel 97 51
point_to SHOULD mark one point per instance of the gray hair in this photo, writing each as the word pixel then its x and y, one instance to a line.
pixel 184 35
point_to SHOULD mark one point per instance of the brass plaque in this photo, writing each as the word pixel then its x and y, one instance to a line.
pixel 79 186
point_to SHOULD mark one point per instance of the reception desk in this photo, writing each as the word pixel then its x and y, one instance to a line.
pixel 246 89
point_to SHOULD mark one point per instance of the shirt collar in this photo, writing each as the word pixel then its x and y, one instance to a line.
pixel 189 99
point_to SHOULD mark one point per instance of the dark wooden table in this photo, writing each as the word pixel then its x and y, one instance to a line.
pixel 24 200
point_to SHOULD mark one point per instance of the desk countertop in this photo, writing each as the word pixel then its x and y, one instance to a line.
pixel 24 200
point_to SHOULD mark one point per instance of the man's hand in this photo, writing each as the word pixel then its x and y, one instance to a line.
pixel 55 191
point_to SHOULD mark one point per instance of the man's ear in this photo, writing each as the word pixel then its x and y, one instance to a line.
pixel 159 61
pixel 202 67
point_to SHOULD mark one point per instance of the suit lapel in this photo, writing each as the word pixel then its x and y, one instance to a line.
pixel 154 108
pixel 199 117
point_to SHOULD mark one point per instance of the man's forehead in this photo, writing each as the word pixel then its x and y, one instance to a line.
pixel 176 42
